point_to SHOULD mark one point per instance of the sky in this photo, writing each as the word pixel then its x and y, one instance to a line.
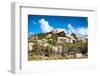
pixel 70 24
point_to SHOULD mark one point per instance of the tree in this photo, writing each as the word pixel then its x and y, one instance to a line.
pixel 74 35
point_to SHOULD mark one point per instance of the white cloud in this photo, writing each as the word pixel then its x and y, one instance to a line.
pixel 70 26
pixel 70 29
pixel 82 31
pixel 44 25
pixel 65 31
pixel 79 31
pixel 30 34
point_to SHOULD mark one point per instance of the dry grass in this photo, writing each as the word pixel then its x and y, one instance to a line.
pixel 52 57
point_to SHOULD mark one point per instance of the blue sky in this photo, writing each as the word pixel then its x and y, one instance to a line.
pixel 43 23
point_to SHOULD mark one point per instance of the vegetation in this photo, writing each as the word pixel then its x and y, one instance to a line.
pixel 50 49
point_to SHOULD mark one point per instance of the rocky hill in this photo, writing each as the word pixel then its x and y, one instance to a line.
pixel 58 34
pixel 57 44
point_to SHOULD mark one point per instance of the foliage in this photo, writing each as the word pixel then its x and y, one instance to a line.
pixel 41 52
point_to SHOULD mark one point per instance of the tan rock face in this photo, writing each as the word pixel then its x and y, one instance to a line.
pixel 64 39
pixel 79 55
pixel 30 47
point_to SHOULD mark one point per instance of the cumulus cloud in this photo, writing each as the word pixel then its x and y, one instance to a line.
pixel 30 34
pixel 82 31
pixel 70 29
pixel 70 26
pixel 79 31
pixel 65 31
pixel 44 25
